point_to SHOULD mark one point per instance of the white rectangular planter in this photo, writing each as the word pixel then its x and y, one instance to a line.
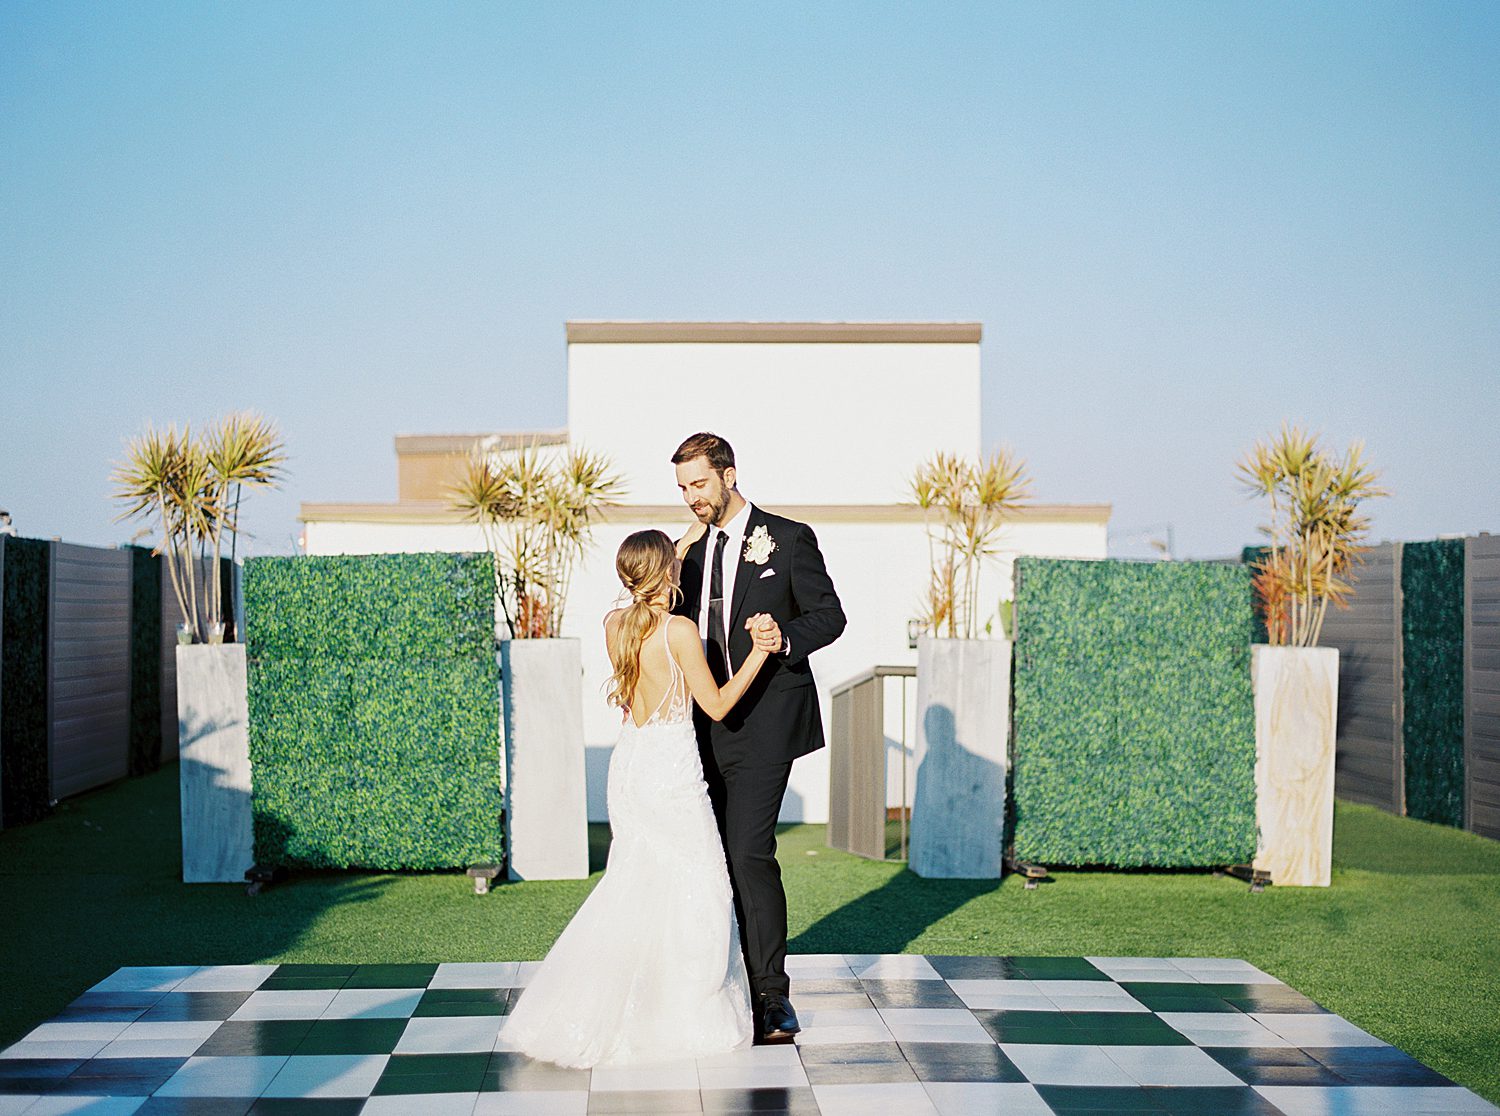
pixel 218 841
pixel 546 801
pixel 1296 708
pixel 963 729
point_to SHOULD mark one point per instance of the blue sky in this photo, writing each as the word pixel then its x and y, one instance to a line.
pixel 1179 224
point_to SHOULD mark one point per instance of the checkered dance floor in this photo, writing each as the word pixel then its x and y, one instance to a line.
pixel 1023 1036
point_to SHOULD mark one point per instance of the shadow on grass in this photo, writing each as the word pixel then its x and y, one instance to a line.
pixel 889 918
pixel 1367 839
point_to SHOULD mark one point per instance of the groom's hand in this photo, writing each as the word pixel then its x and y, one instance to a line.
pixel 766 633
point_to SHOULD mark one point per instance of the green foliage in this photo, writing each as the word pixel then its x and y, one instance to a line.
pixel 1248 556
pixel 1134 718
pixel 25 780
pixel 374 711
pixel 1432 655
pixel 145 660
pixel 370 606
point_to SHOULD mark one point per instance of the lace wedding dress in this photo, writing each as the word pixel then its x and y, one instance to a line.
pixel 650 968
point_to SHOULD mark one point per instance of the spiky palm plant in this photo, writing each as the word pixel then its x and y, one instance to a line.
pixel 537 519
pixel 1315 530
pixel 183 482
pixel 964 506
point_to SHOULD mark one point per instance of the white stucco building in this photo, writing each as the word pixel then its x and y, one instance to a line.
pixel 827 419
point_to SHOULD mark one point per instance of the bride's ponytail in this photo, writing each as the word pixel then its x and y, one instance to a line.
pixel 645 563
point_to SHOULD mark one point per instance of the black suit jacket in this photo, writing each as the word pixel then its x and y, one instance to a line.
pixel 777 719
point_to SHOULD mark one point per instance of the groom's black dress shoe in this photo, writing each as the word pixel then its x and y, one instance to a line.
pixel 775 1020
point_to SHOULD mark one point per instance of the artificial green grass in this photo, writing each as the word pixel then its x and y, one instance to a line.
pixel 1406 943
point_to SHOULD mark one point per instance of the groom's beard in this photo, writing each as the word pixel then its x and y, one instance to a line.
pixel 713 510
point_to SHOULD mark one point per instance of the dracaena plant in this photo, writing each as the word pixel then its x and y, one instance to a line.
pixel 537 518
pixel 964 506
pixel 1315 530
pixel 191 486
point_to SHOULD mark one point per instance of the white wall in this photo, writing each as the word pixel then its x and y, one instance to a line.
pixel 824 423
pixel 878 568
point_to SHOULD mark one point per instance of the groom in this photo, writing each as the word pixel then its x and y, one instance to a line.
pixel 748 561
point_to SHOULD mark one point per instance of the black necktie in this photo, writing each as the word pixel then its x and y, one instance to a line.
pixel 718 641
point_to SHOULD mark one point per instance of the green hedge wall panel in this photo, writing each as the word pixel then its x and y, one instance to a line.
pixel 1432 652
pixel 384 764
pixel 145 660
pixel 25 780
pixel 1134 718
pixel 370 606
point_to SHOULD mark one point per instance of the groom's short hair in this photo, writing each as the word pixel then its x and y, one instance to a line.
pixel 719 453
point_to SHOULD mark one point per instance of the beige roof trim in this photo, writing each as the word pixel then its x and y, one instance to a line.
pixel 462 443
pixel 642 333
pixel 435 512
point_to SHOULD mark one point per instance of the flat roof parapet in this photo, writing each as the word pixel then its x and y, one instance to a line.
pixel 881 333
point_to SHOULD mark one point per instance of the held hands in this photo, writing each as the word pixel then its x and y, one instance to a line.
pixel 765 632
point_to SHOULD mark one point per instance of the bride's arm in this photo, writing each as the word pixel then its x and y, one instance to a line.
pixel 687 645
pixel 692 535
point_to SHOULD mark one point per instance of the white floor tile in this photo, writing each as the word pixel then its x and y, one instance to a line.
pixel 75 1032
pixel 1315 1029
pixel 1066 989
pixel 429 1104
pixel 970 1033
pixel 772 1075
pixel 145 978
pixel 13 1104
pixel 1153 976
pixel 1375 1100
pixel 1100 1003
pixel 663 1075
pixel 160 1040
pixel 814 1019
pixel 226 978
pixel 373 1003
pixel 1169 1065
pixel 927 1016
pixel 534 1103
pixel 223 1077
pixel 68 1048
pixel 327 1075
pixel 299 1003
pixel 983 1098
pixel 1104 964
pixel 781 1054
pixel 458 1034
pixel 525 970
pixel 475 974
pixel 54 1105
pixel 825 1036
pixel 904 1098
pixel 1001 995
pixel 1049 1064
pixel 1221 1028
pixel 894 966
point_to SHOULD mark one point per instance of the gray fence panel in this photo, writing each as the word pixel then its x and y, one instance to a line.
pixel 88 667
pixel 1482 684
pixel 1368 764
pixel 2 666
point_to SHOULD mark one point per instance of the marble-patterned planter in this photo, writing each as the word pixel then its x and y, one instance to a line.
pixel 218 842
pixel 1296 707
pixel 963 728
pixel 546 811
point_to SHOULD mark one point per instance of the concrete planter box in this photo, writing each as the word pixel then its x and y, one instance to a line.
pixel 963 732
pixel 546 811
pixel 1296 710
pixel 218 842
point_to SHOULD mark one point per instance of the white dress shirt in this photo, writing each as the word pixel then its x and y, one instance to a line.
pixel 733 554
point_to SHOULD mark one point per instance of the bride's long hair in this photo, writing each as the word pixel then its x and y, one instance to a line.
pixel 647 565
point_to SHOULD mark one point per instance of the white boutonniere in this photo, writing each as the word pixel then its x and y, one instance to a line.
pixel 759 545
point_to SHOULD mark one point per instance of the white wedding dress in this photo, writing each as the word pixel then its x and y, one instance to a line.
pixel 650 968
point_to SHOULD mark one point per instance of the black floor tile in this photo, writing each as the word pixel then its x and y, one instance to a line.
pixel 38 1067
pixel 404 1065
pixel 974 968
pixel 858 1073
pixel 352 1036
pixel 296 976
pixel 391 976
pixel 1098 1098
pixel 307 1106
pixel 412 1083
pixel 646 1101
pixel 1233 1058
pixel 911 994
pixel 107 1086
pixel 99 1015
pixel 1288 1075
pixel 798 1101
pixel 179 1007
pixel 846 1053
pixel 1219 1100
pixel 953 1061
pixel 1057 968
pixel 464 1001
pixel 256 1036
pixel 129 1067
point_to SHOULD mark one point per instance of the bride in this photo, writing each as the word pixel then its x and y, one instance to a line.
pixel 650 967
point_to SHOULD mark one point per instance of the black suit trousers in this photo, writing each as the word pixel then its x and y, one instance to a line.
pixel 746 802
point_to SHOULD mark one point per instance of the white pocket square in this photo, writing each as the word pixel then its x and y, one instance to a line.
pixel 768 573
